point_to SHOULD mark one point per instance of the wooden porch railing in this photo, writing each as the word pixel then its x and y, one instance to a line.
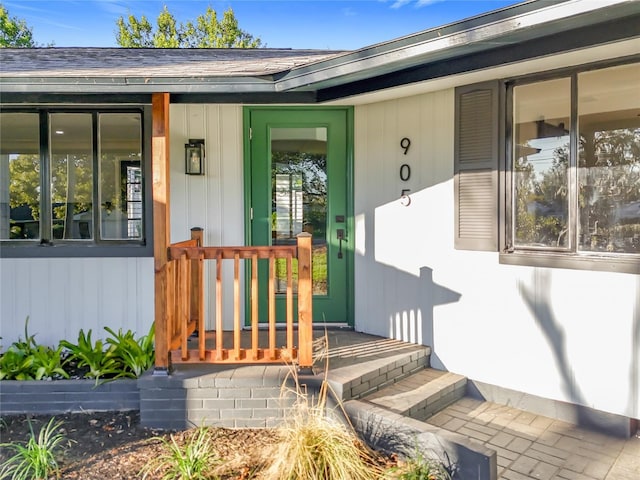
pixel 186 304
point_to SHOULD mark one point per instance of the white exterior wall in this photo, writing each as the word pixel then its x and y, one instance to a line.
pixel 561 334
pixel 63 295
pixel 213 201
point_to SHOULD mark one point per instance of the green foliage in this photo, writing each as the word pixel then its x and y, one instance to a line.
pixel 36 459
pixel 26 360
pixel 101 361
pixel 48 362
pixel 419 467
pixel 206 32
pixel 136 355
pixel 14 32
pixel 192 461
pixel 122 355
pixel 16 365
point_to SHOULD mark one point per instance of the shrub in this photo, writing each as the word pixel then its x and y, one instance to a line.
pixel 37 459
pixel 101 362
pixel 121 355
pixel 136 356
pixel 419 467
pixel 26 360
pixel 192 461
pixel 318 446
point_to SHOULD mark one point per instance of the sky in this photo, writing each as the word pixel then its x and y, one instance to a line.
pixel 314 24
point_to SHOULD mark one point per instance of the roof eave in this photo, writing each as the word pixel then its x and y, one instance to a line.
pixel 502 27
pixel 137 85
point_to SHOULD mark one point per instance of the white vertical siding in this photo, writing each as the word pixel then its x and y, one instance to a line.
pixel 63 295
pixel 561 334
pixel 215 200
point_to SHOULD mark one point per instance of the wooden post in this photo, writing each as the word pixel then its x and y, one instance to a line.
pixel 305 303
pixel 161 224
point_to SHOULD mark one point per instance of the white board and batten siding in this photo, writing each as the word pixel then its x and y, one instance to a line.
pixel 60 296
pixel 63 295
pixel 566 335
pixel 213 201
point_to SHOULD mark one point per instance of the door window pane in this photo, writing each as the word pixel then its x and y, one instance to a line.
pixel 299 197
pixel 19 176
pixel 541 163
pixel 71 176
pixel 609 160
pixel 120 190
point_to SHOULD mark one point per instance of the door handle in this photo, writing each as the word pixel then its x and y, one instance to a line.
pixel 341 237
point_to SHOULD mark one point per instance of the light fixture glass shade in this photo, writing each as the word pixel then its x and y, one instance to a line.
pixel 194 157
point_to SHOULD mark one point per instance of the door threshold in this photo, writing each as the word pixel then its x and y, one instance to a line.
pixel 283 326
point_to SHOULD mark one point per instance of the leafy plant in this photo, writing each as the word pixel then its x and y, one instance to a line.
pixel 102 362
pixel 192 461
pixel 419 467
pixel 36 459
pixel 136 355
pixel 48 362
pixel 16 364
pixel 26 360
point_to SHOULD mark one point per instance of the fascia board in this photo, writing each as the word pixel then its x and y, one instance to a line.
pixel 136 85
pixel 397 54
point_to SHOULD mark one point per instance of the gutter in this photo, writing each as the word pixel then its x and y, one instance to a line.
pixel 462 38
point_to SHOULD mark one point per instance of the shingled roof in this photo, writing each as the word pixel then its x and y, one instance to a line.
pixel 532 29
pixel 152 62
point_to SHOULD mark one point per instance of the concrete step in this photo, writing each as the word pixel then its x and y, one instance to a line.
pixel 422 394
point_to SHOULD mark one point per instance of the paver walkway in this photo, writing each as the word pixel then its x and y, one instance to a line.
pixel 530 446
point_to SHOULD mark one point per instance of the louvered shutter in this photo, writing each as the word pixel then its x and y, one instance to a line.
pixel 476 167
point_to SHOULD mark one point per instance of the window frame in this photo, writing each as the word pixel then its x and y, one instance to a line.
pixel 46 246
pixel 572 257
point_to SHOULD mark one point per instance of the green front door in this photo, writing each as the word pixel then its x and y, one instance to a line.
pixel 298 179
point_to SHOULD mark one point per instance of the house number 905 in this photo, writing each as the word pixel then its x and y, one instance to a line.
pixel 405 173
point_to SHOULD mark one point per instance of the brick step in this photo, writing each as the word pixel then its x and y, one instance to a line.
pixel 422 394
pixel 378 372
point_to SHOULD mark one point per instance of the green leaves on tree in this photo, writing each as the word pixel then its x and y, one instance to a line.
pixel 205 32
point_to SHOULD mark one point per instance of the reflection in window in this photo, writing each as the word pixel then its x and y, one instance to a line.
pixel 19 176
pixel 93 190
pixel 609 160
pixel 120 176
pixel 299 197
pixel 71 170
pixel 541 163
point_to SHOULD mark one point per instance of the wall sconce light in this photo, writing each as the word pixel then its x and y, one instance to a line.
pixel 194 157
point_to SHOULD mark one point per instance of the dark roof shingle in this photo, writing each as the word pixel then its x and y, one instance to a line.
pixel 152 62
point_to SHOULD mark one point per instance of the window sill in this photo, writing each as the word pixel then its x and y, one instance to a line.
pixel 74 250
pixel 600 263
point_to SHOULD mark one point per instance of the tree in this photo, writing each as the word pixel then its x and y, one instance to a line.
pixel 206 32
pixel 14 32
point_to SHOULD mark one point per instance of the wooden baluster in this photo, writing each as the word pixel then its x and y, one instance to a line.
pixel 170 303
pixel 272 305
pixel 183 301
pixel 305 302
pixel 197 291
pixel 219 332
pixel 236 305
pixel 254 306
pixel 201 314
pixel 290 306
